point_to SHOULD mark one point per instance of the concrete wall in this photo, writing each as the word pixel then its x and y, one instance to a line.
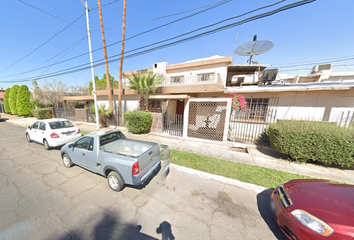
pixel 219 68
pixel 310 105
pixel 172 107
pixel 129 103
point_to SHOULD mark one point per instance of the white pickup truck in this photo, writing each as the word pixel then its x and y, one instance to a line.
pixel 121 160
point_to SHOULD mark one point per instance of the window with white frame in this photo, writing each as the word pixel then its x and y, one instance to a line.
pixel 205 76
pixel 177 79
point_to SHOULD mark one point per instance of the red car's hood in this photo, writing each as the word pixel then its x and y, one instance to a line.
pixel 331 203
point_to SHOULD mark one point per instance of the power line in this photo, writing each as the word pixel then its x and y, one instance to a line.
pixel 316 63
pixel 43 43
pixel 48 12
pixel 329 59
pixel 165 16
pixel 34 69
pixel 127 39
pixel 72 23
pixel 104 5
pixel 259 16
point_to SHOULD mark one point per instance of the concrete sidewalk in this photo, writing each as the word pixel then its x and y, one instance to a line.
pixel 262 157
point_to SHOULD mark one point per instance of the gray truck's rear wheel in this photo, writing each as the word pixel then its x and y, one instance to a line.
pixel 115 181
pixel 67 161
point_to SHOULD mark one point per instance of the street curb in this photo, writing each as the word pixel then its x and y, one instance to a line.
pixel 249 186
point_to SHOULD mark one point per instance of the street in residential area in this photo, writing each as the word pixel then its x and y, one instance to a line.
pixel 42 199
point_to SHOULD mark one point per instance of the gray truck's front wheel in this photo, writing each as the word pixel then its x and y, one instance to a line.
pixel 115 181
pixel 67 161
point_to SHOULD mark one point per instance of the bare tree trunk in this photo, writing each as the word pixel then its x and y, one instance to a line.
pixel 120 118
pixel 109 91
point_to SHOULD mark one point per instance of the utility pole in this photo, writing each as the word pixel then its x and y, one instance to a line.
pixel 92 72
pixel 109 91
pixel 120 115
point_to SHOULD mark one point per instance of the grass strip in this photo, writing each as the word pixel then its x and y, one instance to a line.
pixel 260 176
pixel 84 133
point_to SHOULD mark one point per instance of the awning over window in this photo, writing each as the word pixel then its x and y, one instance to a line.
pixel 184 96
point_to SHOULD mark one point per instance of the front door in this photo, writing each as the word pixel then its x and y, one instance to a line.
pixel 180 107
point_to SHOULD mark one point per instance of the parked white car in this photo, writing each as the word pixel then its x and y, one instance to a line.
pixel 52 132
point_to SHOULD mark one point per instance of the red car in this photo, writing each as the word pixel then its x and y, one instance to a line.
pixel 314 209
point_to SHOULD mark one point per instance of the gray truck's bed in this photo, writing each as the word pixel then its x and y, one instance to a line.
pixel 127 147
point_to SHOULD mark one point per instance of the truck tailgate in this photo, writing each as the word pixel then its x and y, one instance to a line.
pixel 148 159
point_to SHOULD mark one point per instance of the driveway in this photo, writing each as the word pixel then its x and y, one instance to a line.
pixel 41 199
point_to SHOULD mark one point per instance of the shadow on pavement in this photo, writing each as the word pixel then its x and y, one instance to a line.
pixel 109 227
pixel 263 203
pixel 269 152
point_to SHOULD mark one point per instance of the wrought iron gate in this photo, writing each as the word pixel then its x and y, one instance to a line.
pixel 206 119
pixel 173 124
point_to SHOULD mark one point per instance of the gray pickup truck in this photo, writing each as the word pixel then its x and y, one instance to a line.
pixel 121 160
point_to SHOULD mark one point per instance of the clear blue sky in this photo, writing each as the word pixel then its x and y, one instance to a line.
pixel 317 32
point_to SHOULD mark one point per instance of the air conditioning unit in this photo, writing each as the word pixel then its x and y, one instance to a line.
pixel 322 68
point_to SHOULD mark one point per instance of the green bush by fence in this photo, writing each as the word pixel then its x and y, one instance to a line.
pixel 308 141
pixel 42 113
pixel 138 121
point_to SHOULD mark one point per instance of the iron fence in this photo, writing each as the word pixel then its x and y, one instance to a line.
pixel 173 124
pixel 246 126
pixel 67 113
pixel 91 117
pixel 346 119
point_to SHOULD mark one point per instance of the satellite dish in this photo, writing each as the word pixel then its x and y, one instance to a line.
pixel 253 48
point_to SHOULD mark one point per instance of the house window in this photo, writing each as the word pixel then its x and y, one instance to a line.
pixel 257 109
pixel 155 105
pixel 177 79
pixel 205 77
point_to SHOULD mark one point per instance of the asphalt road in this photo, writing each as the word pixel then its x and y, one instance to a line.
pixel 41 199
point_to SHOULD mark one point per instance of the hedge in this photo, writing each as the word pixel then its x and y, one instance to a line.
pixel 23 101
pixel 138 121
pixel 6 100
pixel 13 99
pixel 308 141
pixel 42 113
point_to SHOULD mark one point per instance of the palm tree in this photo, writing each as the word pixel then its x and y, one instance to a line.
pixel 144 83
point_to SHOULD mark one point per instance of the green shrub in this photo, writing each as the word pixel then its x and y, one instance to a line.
pixel 6 100
pixel 13 99
pixel 306 141
pixel 264 136
pixel 42 113
pixel 138 121
pixel 23 101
